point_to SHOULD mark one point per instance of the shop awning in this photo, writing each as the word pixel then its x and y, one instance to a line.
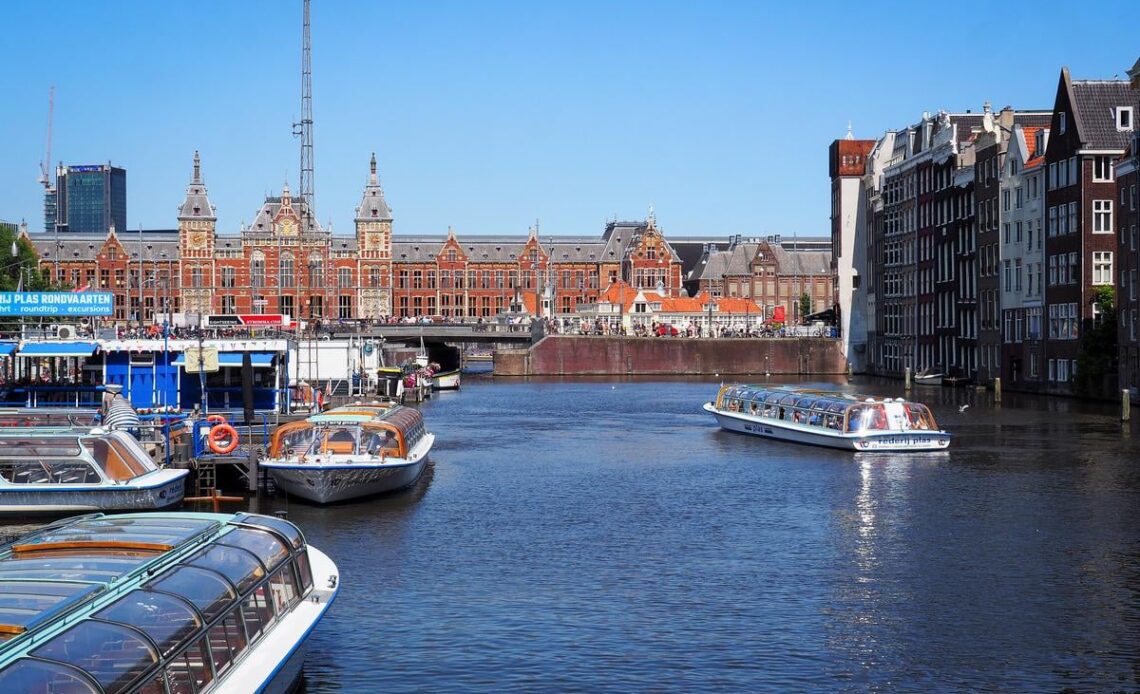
pixel 57 349
pixel 260 360
pixel 6 348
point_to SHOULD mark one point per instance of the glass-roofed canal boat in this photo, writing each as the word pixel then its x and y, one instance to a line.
pixel 65 469
pixel 160 603
pixel 828 418
pixel 350 452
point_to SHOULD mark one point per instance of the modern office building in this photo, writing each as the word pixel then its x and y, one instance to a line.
pixel 90 199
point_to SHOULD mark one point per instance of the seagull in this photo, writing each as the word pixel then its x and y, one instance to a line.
pixel 965 407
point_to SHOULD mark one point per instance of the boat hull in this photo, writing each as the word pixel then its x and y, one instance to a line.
pixel 933 380
pixel 152 492
pixel 446 380
pixel 914 441
pixel 329 483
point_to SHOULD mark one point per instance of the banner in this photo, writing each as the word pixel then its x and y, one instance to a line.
pixel 255 320
pixel 57 303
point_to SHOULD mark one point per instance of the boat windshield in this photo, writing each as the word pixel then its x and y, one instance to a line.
pixel 117 461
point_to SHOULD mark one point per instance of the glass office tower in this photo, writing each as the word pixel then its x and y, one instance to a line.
pixel 90 198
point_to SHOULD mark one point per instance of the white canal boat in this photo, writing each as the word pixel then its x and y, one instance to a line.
pixel 160 603
pixel 57 470
pixel 828 418
pixel 446 380
pixel 345 455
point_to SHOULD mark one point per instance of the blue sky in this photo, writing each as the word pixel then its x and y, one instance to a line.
pixel 486 116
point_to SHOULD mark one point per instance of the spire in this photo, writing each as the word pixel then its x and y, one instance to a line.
pixel 651 219
pixel 373 207
pixel 850 132
pixel 196 205
pixel 450 233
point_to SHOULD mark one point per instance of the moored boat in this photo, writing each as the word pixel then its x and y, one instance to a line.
pixel 339 456
pixel 828 418
pixel 160 602
pixel 54 470
pixel 927 377
pixel 446 380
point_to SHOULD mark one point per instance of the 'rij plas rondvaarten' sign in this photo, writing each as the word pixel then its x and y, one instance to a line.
pixel 56 303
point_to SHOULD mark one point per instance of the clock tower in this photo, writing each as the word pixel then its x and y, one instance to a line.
pixel 196 228
pixel 374 243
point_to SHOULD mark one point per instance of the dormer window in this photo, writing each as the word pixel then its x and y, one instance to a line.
pixel 1124 118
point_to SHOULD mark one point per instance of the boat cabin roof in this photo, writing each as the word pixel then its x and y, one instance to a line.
pixel 146 583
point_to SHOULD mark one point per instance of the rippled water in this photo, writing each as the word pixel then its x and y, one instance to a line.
pixel 596 536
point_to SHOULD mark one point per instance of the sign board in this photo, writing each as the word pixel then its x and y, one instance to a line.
pixel 57 303
pixel 206 361
pixel 249 320
pixel 260 302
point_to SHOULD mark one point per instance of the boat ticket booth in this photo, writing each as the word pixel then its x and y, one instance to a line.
pixel 165 373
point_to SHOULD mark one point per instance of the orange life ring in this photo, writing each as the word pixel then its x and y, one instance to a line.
pixel 220 433
pixel 216 419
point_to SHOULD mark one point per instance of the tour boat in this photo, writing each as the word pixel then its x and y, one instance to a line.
pixel 828 418
pixel 150 603
pixel 446 380
pixel 60 469
pixel 339 456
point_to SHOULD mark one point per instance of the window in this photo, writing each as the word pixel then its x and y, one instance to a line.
pixel 344 278
pixel 1102 168
pixel 1061 122
pixel 229 277
pixel 1102 267
pixel 257 270
pixel 288 279
pixel 1102 216
pixel 1124 118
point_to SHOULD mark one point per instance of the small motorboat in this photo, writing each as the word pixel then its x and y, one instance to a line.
pixel 57 470
pixel 446 380
pixel 349 454
pixel 926 377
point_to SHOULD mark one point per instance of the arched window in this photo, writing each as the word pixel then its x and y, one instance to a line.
pixel 287 269
pixel 257 270
pixel 316 266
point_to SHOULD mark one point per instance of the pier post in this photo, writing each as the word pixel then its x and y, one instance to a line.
pixel 1125 406
pixel 906 381
pixel 997 389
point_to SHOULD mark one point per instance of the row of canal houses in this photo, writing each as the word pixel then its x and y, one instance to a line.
pixel 996 244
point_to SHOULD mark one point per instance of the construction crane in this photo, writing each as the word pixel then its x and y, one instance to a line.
pixel 45 179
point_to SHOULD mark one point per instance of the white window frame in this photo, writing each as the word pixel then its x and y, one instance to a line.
pixel 1102 216
pixel 1102 168
pixel 1102 267
pixel 1124 113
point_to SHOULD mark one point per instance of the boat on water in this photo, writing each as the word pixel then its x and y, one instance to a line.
pixel 828 418
pixel 446 380
pixel 345 455
pixel 66 469
pixel 160 603
pixel 927 377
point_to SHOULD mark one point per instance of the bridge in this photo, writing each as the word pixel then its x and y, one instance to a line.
pixel 463 333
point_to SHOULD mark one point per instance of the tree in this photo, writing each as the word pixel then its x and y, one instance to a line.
pixel 1098 346
pixel 805 306
pixel 22 263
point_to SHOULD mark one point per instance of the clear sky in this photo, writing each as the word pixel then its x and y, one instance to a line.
pixel 487 115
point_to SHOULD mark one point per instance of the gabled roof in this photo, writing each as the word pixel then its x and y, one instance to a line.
pixel 1094 105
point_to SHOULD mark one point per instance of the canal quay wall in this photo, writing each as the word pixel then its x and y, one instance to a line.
pixel 587 355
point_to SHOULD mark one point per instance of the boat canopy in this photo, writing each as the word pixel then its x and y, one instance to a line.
pixel 388 432
pixel 60 455
pixel 133 603
pixel 831 409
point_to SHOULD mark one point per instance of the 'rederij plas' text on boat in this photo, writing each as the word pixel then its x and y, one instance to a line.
pixel 828 418
pixel 160 603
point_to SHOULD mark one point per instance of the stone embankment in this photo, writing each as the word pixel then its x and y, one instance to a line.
pixel 572 355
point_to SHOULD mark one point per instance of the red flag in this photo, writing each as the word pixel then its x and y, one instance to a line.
pixel 778 314
pixel 82 289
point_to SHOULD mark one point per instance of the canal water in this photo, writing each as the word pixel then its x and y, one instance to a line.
pixel 607 536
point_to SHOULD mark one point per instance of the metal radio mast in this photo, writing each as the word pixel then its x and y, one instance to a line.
pixel 304 129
